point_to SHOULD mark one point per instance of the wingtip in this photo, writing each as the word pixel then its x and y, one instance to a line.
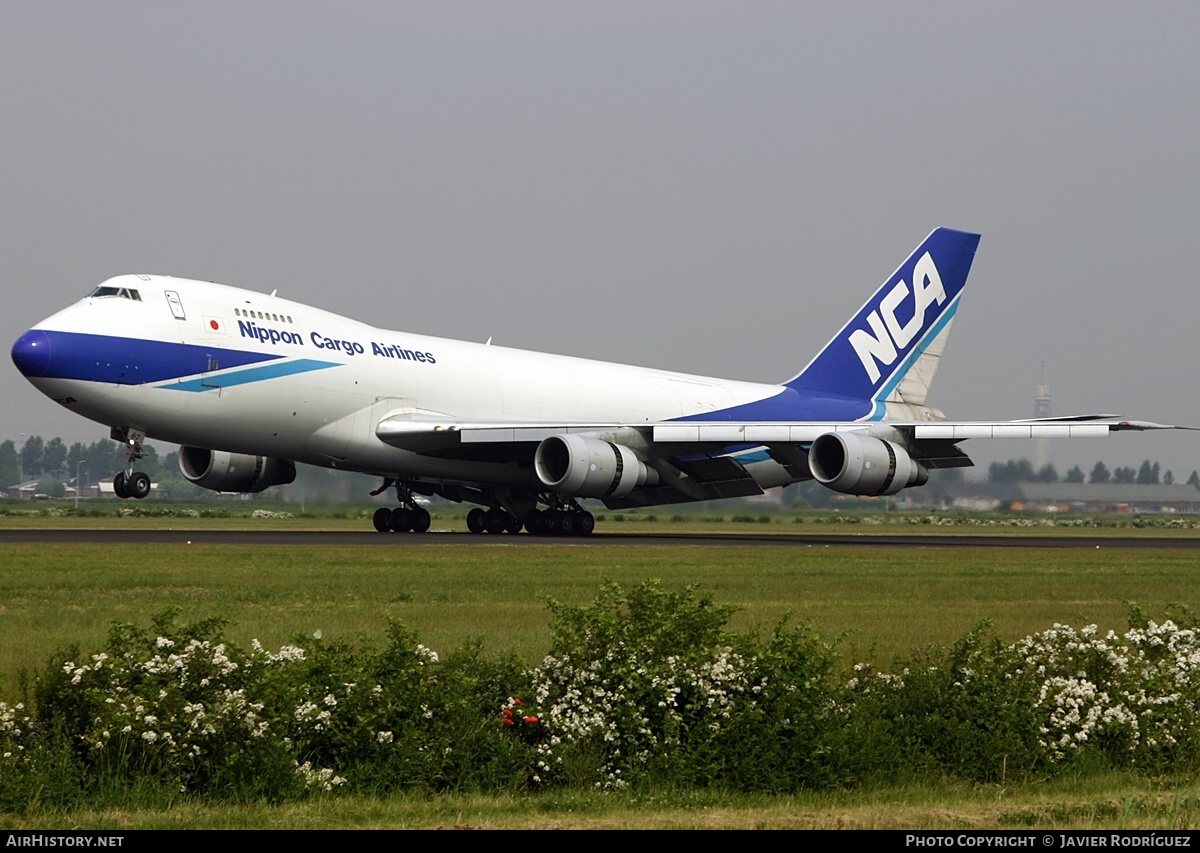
pixel 1147 425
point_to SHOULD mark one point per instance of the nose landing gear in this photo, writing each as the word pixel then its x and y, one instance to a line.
pixel 130 483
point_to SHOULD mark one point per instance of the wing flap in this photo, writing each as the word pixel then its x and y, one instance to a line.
pixel 749 433
pixel 961 431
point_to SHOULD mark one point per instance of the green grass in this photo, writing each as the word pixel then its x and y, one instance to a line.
pixel 710 519
pixel 885 601
pixel 1106 801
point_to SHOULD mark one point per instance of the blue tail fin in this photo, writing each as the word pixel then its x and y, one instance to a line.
pixel 891 349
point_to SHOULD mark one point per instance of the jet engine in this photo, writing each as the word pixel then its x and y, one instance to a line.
pixel 234 472
pixel 859 464
pixel 588 467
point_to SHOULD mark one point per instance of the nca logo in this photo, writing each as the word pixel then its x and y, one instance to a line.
pixel 890 335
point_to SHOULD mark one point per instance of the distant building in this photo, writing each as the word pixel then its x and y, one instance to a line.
pixel 1109 497
pixel 1042 409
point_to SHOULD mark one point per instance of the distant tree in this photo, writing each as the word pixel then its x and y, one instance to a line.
pixel 102 459
pixel 1100 474
pixel 1012 471
pixel 1124 475
pixel 1194 480
pixel 10 470
pixel 54 457
pixel 1047 474
pixel 1148 474
pixel 53 488
pixel 1169 479
pixel 97 461
pixel 76 463
pixel 944 484
pixel 807 494
pixel 31 455
pixel 150 463
pixel 1075 475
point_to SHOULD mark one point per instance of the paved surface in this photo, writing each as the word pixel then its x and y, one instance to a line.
pixel 110 536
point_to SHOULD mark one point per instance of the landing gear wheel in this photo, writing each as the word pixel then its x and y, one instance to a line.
pixel 495 521
pixel 133 484
pixel 419 519
pixel 551 522
pixel 567 522
pixel 475 520
pixel 382 519
pixel 534 522
pixel 138 485
pixel 585 523
pixel 514 524
pixel 400 520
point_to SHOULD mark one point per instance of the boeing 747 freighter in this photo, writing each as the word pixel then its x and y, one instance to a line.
pixel 251 384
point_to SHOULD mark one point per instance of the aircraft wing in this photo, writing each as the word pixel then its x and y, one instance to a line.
pixel 707 460
pixel 418 434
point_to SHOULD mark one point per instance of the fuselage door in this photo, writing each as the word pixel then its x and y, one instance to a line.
pixel 176 304
pixel 211 364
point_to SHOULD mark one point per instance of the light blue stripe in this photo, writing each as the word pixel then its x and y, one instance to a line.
pixel 917 351
pixel 254 374
pixel 748 457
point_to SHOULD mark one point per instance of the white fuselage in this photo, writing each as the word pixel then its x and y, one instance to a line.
pixel 356 376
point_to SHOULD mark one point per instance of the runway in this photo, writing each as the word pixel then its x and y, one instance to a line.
pixel 110 536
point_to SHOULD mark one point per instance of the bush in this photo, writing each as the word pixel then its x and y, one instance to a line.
pixel 644 687
pixel 967 711
pixel 180 708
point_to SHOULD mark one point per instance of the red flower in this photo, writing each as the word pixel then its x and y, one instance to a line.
pixel 531 721
pixel 516 701
pixel 508 714
pixel 508 721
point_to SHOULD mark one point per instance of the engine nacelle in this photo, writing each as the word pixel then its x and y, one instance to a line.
pixel 858 464
pixel 588 467
pixel 233 472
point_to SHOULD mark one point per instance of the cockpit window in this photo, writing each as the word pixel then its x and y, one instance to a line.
pixel 122 292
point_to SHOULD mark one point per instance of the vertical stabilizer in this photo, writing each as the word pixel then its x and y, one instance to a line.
pixel 890 350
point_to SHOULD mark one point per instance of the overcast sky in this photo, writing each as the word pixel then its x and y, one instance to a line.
pixel 706 187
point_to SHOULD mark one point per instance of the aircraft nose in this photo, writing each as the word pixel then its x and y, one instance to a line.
pixel 31 353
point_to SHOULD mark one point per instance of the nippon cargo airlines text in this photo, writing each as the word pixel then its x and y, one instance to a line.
pixel 267 335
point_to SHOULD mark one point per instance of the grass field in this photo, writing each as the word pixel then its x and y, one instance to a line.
pixel 881 602
pixel 876 603
pixel 1097 803
pixel 713 519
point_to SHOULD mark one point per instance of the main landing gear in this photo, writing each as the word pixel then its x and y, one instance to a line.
pixel 129 483
pixel 509 513
pixel 408 516
pixel 563 518
pixel 494 520
pixel 570 521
